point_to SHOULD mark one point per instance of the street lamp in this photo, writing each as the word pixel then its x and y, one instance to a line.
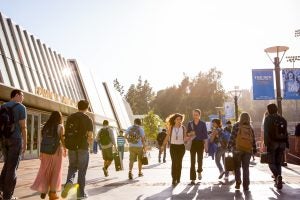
pixel 236 93
pixel 297 33
pixel 277 50
pixel 292 59
pixel 219 109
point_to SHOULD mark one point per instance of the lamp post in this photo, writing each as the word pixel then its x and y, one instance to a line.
pixel 236 93
pixel 277 50
pixel 219 109
pixel 297 33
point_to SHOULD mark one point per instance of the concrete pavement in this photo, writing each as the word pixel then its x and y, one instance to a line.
pixel 156 183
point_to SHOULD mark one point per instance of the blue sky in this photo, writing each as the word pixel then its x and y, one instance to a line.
pixel 162 39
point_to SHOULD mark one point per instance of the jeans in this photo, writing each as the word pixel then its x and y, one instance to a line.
pixel 197 148
pixel 121 149
pixel 242 159
pixel 160 152
pixel 78 161
pixel 221 154
pixel 11 149
pixel 275 157
pixel 177 153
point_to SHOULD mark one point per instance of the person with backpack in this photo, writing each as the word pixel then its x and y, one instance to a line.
pixel 78 138
pixel 198 128
pixel 135 136
pixel 177 136
pixel 276 140
pixel 162 148
pixel 49 177
pixel 107 141
pixel 121 143
pixel 297 138
pixel 13 133
pixel 242 143
pixel 221 139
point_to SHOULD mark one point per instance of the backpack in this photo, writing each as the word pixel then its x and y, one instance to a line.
pixel 104 137
pixel 161 137
pixel 225 137
pixel 134 135
pixel 50 140
pixel 7 121
pixel 244 139
pixel 73 136
pixel 278 131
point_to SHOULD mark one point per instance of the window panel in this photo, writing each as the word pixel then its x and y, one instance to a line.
pixel 5 76
pixel 63 75
pixel 71 83
pixel 59 73
pixel 41 66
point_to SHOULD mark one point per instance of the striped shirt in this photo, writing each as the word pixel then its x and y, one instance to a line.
pixel 120 141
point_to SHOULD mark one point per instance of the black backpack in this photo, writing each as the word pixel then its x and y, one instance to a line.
pixel 50 140
pixel 134 135
pixel 7 121
pixel 104 137
pixel 161 137
pixel 73 136
pixel 279 132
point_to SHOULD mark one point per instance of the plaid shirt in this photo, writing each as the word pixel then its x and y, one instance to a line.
pixel 235 130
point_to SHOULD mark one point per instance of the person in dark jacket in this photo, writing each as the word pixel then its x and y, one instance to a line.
pixel 276 148
pixel 160 139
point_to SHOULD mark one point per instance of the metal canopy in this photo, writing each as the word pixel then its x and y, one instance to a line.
pixel 276 49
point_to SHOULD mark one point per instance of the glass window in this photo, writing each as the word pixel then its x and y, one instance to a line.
pixel 41 66
pixel 52 69
pixel 70 78
pixel 23 61
pixel 76 79
pixel 14 55
pixel 30 63
pixel 5 77
pixel 46 67
pixel 59 73
pixel 64 75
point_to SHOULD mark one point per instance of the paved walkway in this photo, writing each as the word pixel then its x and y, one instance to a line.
pixel 156 183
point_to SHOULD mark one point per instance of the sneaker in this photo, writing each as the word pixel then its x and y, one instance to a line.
pixel 66 190
pixel 279 182
pixel 221 175
pixel 237 185
pixel 105 172
pixel 85 196
pixel 43 195
pixel 199 176
pixel 130 175
pixel 193 182
pixel 141 174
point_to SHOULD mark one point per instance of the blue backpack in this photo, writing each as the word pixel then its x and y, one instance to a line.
pixel 50 140
pixel 225 137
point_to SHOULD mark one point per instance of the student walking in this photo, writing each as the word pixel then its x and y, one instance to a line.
pixel 49 177
pixel 14 141
pixel 162 147
pixel 276 139
pixel 121 143
pixel 107 141
pixel 242 143
pixel 198 145
pixel 177 136
pixel 78 138
pixel 136 138
pixel 220 138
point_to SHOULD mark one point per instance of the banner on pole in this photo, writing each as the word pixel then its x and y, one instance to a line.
pixel 263 84
pixel 291 83
pixel 229 110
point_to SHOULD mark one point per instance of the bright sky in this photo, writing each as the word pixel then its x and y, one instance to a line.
pixel 161 39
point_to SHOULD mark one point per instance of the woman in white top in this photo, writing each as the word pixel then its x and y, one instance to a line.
pixel 177 135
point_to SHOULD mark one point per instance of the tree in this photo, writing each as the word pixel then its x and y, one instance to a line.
pixel 151 124
pixel 139 96
pixel 119 87
pixel 205 91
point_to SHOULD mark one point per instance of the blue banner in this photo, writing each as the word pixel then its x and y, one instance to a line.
pixel 263 84
pixel 291 83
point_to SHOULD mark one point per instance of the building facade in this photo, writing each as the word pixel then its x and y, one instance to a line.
pixel 51 82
